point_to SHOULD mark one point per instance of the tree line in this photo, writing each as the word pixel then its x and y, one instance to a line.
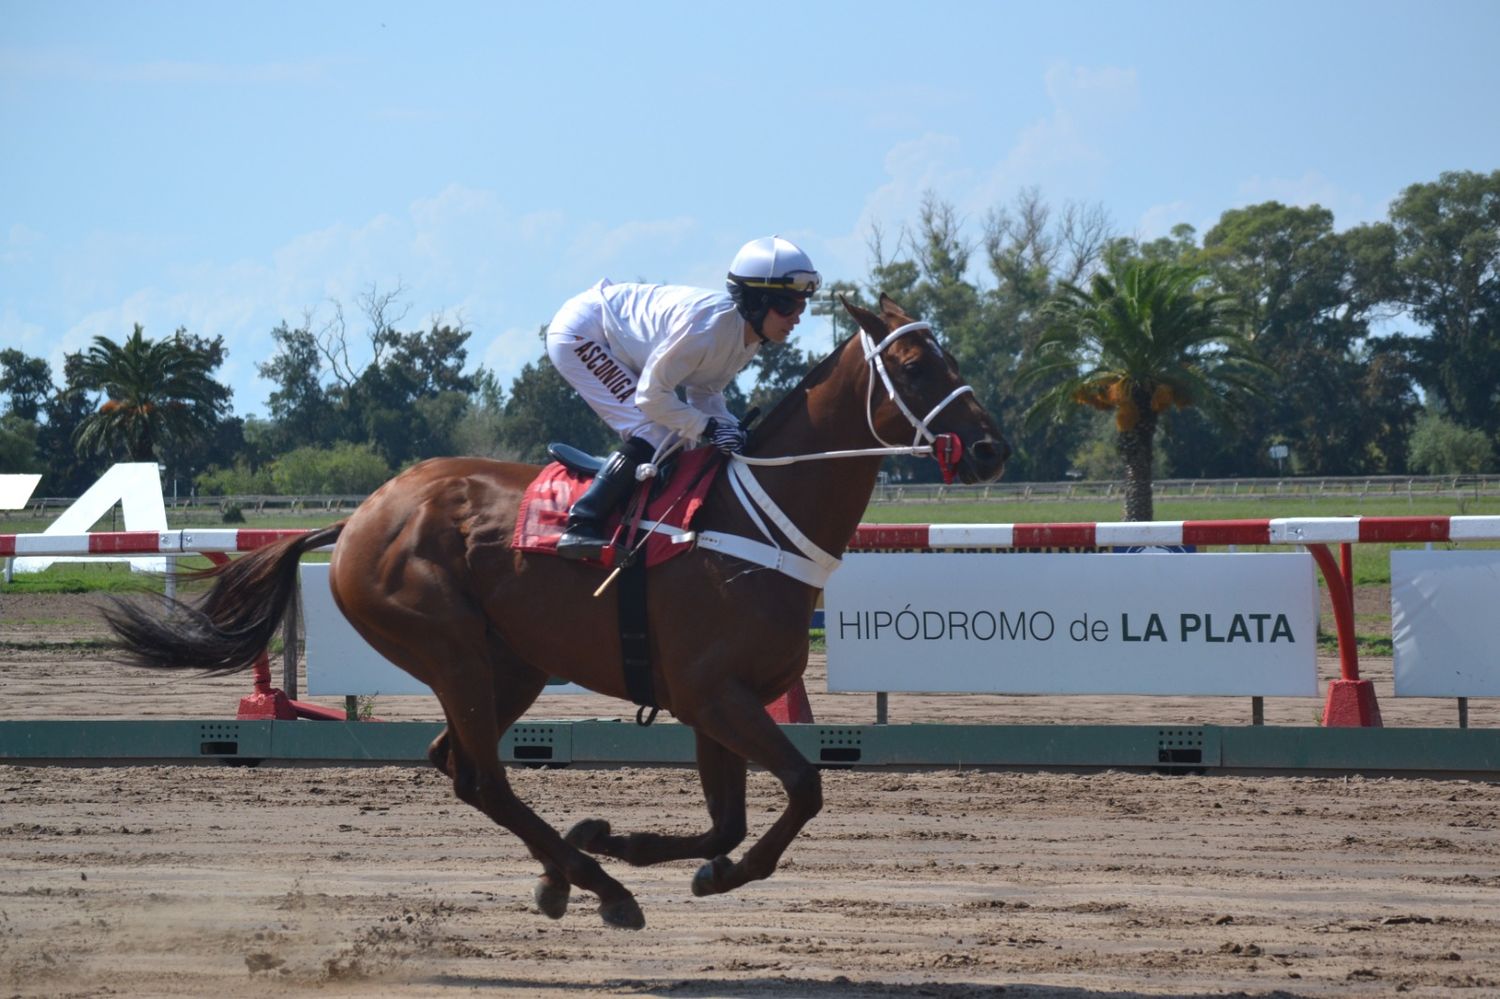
pixel 1372 350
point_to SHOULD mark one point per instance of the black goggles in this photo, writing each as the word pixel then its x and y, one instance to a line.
pixel 785 303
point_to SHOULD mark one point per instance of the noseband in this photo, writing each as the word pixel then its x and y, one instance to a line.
pixel 947 449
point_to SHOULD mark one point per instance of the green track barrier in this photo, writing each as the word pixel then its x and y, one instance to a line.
pixel 1207 749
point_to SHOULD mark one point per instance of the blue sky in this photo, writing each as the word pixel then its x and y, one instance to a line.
pixel 223 167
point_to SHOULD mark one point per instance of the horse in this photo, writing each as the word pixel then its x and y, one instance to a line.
pixel 425 572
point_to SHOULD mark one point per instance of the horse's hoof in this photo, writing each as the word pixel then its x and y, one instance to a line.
pixel 710 875
pixel 551 897
pixel 586 834
pixel 625 914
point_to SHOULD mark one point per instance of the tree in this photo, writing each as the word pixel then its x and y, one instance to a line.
pixel 1445 241
pixel 343 469
pixel 480 431
pixel 301 412
pixel 27 380
pixel 67 472
pixel 157 392
pixel 18 444
pixel 778 368
pixel 410 399
pixel 1308 294
pixel 1142 338
pixel 1441 447
pixel 407 402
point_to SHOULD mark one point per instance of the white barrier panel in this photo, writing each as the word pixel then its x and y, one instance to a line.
pixel 340 662
pixel 1445 623
pixel 1228 624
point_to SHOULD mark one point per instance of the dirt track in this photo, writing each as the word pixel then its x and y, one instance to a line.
pixel 199 881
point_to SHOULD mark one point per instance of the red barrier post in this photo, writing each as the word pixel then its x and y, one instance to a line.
pixel 1351 701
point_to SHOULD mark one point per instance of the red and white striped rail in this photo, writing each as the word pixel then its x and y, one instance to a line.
pixel 140 542
pixel 1278 531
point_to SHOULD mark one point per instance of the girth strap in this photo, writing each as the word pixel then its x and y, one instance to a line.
pixel 635 643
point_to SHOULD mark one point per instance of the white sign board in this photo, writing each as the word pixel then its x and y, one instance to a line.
pixel 15 490
pixel 1445 623
pixel 136 486
pixel 1229 624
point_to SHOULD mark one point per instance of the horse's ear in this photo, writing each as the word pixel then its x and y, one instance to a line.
pixel 868 320
pixel 892 312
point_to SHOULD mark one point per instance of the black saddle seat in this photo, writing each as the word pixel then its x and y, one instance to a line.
pixel 575 459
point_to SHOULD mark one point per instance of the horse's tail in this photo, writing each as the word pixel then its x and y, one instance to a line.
pixel 228 629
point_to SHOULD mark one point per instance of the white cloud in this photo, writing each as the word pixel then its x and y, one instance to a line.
pixel 71 66
pixel 1159 220
pixel 1312 188
pixel 458 255
pixel 602 248
pixel 21 245
pixel 1065 152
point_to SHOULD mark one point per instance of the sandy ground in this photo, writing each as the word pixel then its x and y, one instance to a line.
pixel 231 882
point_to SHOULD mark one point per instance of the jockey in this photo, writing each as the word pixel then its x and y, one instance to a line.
pixel 628 348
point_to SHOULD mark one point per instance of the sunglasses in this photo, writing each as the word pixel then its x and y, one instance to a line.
pixel 786 303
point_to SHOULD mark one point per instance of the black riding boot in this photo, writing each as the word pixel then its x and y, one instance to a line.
pixel 585 537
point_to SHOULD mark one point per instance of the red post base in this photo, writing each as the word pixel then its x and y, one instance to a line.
pixel 1351 704
pixel 791 708
pixel 265 705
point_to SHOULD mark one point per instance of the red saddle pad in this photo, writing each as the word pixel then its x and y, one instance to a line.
pixel 544 507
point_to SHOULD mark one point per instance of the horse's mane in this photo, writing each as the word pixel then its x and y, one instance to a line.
pixel 791 403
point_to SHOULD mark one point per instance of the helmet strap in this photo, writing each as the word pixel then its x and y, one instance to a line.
pixel 757 321
pixel 753 308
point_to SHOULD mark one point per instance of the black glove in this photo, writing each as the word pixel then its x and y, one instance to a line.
pixel 727 437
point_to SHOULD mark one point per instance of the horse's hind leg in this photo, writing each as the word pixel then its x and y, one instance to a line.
pixel 722 775
pixel 472 755
pixel 552 890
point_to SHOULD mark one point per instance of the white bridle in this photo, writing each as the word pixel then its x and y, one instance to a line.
pixel 813 566
pixel 876 362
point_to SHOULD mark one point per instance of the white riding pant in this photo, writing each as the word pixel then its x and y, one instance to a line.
pixel 578 350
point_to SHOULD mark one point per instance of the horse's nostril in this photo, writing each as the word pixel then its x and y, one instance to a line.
pixel 989 450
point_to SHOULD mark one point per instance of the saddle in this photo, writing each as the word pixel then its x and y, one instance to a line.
pixel 672 501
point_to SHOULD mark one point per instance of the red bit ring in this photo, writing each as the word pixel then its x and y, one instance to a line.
pixel 947 451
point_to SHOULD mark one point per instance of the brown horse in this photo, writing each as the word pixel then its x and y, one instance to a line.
pixel 424 570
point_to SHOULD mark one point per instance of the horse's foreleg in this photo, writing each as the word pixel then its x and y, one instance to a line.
pixel 722 775
pixel 739 722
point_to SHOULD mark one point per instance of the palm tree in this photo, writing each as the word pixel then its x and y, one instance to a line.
pixel 1144 337
pixel 155 391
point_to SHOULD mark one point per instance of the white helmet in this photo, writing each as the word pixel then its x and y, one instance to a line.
pixel 770 273
pixel 774 264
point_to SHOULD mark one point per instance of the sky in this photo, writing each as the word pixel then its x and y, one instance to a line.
pixel 225 167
